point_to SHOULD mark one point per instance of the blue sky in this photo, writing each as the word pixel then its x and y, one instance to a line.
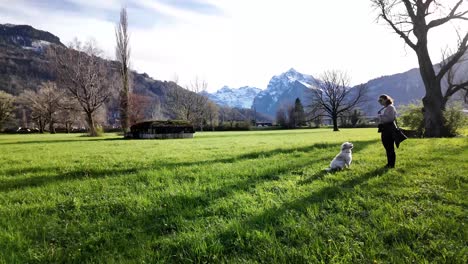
pixel 234 42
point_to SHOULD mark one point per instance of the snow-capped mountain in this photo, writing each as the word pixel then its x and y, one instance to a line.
pixel 282 90
pixel 27 37
pixel 241 97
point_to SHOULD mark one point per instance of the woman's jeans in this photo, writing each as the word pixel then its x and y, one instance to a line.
pixel 388 143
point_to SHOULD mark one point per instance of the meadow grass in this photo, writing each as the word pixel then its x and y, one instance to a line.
pixel 231 197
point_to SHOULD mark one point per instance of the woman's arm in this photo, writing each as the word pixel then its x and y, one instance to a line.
pixel 388 115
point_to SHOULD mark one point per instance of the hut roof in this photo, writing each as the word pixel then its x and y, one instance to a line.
pixel 160 123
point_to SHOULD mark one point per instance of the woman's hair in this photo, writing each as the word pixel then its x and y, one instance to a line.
pixel 388 99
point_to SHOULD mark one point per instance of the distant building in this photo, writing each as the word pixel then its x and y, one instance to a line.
pixel 161 130
pixel 263 124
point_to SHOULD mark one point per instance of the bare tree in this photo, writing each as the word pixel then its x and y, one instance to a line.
pixel 234 116
pixel 85 75
pixel 223 114
pixel 412 20
pixel 456 78
pixel 315 115
pixel 139 107
pixel 6 107
pixel 281 117
pixel 69 113
pixel 122 51
pixel 199 101
pixel 179 101
pixel 43 104
pixel 212 114
pixel 334 97
pixel 189 103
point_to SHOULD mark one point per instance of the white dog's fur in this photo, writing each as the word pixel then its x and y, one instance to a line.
pixel 343 159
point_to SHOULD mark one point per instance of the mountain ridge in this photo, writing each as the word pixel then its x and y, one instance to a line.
pixel 23 65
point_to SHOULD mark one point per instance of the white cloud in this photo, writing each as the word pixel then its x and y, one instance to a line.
pixel 103 4
pixel 247 42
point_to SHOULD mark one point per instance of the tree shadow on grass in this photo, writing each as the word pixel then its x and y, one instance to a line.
pixel 169 219
pixel 269 133
pixel 250 156
pixel 48 141
pixel 85 173
pixel 266 154
pixel 318 175
pixel 168 215
pixel 270 217
pixel 43 180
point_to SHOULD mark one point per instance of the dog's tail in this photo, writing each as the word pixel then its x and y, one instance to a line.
pixel 328 169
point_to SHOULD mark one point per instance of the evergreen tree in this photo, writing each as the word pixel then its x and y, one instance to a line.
pixel 299 115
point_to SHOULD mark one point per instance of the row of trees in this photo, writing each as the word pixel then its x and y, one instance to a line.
pixel 89 80
pixel 332 98
pixel 6 107
pixel 191 104
pixel 50 107
pixel 291 116
pixel 86 83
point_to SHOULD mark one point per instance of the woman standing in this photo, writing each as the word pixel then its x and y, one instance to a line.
pixel 387 115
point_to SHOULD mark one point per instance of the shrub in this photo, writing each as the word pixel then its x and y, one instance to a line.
pixel 455 119
pixel 99 131
pixel 411 116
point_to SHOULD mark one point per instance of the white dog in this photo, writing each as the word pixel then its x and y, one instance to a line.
pixel 343 159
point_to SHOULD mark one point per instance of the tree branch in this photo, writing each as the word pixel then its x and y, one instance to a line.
pixel 383 13
pixel 462 48
pixel 450 16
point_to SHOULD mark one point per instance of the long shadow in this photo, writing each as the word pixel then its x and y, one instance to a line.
pixel 82 139
pixel 80 174
pixel 249 133
pixel 252 155
pixel 318 175
pixel 85 173
pixel 163 219
pixel 191 207
pixel 185 206
pixel 171 165
pixel 270 217
pixel 173 211
pixel 22 171
pixel 266 154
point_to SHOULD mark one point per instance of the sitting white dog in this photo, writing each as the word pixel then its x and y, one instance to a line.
pixel 343 159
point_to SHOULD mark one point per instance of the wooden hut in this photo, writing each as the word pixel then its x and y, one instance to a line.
pixel 161 130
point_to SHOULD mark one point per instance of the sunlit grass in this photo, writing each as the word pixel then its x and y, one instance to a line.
pixel 231 197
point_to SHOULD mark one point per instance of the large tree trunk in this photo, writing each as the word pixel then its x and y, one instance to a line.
pixel 433 101
pixel 92 127
pixel 433 116
pixel 124 108
pixel 335 123
pixel 51 127
pixel 41 125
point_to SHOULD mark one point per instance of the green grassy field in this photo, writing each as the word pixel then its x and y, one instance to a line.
pixel 236 197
